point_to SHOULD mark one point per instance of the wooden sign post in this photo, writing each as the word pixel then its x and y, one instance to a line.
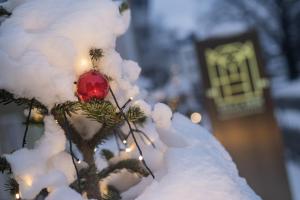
pixel 241 111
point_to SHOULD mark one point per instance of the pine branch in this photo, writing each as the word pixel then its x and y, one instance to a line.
pixel 102 111
pixel 132 165
pixel 131 131
pixel 4 165
pixel 136 115
pixel 4 12
pixel 12 186
pixel 107 154
pixel 96 54
pixel 7 98
pixel 68 108
pixel 124 6
pixel 111 194
pixel 42 195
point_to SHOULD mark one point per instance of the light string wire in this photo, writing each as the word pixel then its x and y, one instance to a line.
pixel 131 131
pixel 27 123
pixel 71 149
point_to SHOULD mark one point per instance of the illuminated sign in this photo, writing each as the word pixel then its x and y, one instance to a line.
pixel 235 80
pixel 238 101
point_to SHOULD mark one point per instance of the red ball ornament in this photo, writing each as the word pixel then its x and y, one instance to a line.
pixel 92 85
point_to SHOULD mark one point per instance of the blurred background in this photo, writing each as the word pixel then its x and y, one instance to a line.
pixel 162 39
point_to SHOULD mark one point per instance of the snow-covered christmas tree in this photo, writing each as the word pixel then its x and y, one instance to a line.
pixel 101 139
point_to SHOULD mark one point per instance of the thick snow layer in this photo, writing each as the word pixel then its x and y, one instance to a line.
pixel 44 46
pixel 200 170
pixel 162 115
pixel 64 193
pixel 45 166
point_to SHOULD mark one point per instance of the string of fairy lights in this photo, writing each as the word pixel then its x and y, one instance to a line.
pixel 195 117
pixel 122 138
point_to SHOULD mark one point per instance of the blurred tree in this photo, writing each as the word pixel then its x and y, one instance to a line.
pixel 278 19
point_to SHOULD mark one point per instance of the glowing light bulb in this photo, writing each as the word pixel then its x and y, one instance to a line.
pixel 28 180
pixel 127 150
pixel 131 98
pixel 196 117
pixel 83 62
pixel 141 158
pixel 95 150
pixel 17 196
pixel 124 142
pixel 79 161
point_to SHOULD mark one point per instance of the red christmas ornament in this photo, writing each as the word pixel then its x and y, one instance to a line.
pixel 92 85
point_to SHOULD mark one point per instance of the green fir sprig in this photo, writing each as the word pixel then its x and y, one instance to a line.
pixel 4 12
pixel 107 154
pixel 12 186
pixel 111 194
pixel 4 165
pixel 124 6
pixel 7 98
pixel 132 165
pixel 96 54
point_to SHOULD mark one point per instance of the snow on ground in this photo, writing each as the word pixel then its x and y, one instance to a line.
pixel 200 170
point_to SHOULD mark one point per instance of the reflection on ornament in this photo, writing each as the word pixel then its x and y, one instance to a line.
pixel 92 85
pixel 196 117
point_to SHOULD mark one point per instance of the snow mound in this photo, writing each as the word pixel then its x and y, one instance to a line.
pixel 201 170
pixel 45 44
pixel 45 166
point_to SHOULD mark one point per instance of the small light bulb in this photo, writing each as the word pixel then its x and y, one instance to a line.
pixel 83 62
pixel 124 142
pixel 141 158
pixel 79 161
pixel 17 196
pixel 127 150
pixel 131 98
pixel 95 150
pixel 196 117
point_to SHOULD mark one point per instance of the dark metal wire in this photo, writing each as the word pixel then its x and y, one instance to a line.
pixel 27 123
pixel 131 132
pixel 71 150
